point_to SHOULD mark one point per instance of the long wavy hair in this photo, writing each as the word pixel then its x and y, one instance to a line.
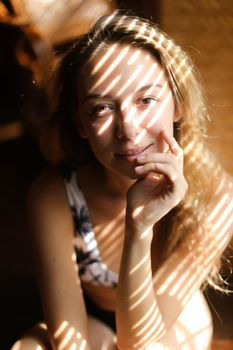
pixel 202 171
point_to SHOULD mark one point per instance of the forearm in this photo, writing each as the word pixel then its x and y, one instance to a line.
pixel 139 321
pixel 144 307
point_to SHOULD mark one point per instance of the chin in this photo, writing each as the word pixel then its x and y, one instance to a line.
pixel 128 173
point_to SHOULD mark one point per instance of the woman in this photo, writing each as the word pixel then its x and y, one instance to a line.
pixel 135 225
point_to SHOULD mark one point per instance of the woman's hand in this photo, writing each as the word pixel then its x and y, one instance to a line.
pixel 160 186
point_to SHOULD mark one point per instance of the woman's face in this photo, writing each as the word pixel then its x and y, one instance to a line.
pixel 124 102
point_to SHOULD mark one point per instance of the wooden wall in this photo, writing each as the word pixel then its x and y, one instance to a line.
pixel 205 29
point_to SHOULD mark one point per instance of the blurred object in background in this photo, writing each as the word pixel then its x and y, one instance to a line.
pixel 30 33
pixel 62 20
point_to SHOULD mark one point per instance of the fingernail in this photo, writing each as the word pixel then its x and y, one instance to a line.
pixel 141 157
pixel 139 169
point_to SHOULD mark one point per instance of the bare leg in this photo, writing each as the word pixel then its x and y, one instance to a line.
pixel 101 337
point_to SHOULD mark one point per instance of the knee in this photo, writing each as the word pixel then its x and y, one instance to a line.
pixel 34 339
pixel 100 335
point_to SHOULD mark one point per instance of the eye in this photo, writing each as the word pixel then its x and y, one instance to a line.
pixel 147 100
pixel 101 109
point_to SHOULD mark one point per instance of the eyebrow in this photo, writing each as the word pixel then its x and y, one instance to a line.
pixel 96 96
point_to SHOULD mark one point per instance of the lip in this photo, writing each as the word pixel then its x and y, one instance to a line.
pixel 131 154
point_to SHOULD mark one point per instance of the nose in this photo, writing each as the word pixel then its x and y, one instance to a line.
pixel 126 127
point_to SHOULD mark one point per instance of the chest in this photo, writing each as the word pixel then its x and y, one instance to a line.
pixel 109 234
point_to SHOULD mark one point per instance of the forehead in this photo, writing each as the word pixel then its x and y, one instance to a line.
pixel 120 63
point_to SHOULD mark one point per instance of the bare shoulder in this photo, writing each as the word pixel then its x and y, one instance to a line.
pixel 48 186
pixel 47 207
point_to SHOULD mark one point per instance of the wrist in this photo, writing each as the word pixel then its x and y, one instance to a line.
pixel 137 233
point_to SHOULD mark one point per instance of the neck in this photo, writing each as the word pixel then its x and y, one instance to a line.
pixel 115 184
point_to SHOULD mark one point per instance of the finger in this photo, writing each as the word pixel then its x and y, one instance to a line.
pixel 172 143
pixel 158 169
pixel 155 179
pixel 161 158
pixel 178 182
pixel 169 171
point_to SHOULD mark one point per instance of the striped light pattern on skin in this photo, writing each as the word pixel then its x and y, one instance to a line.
pixel 134 57
pixel 110 240
pixel 111 68
pixel 111 85
pixel 104 59
pixel 67 338
pixel 130 82
pixel 105 125
pixel 186 269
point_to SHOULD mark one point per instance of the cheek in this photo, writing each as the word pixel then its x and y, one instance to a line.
pixel 100 126
pixel 159 121
pixel 98 137
pixel 160 117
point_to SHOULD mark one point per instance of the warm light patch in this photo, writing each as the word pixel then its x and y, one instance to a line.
pixel 148 324
pixel 105 125
pixel 151 36
pixel 106 56
pixel 158 95
pixel 140 300
pixel 17 345
pixel 225 214
pixel 186 74
pixel 181 65
pixel 134 57
pixel 137 211
pixel 141 287
pixel 126 102
pixel 132 24
pixel 61 329
pixel 130 115
pixel 83 345
pixel 189 147
pixel 144 260
pixel 160 41
pixel 147 76
pixel 111 68
pixel 148 315
pixel 141 31
pixel 218 207
pixel 111 85
pixel 160 111
pixel 167 282
pixel 131 80
pixel 140 136
pixel 66 339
